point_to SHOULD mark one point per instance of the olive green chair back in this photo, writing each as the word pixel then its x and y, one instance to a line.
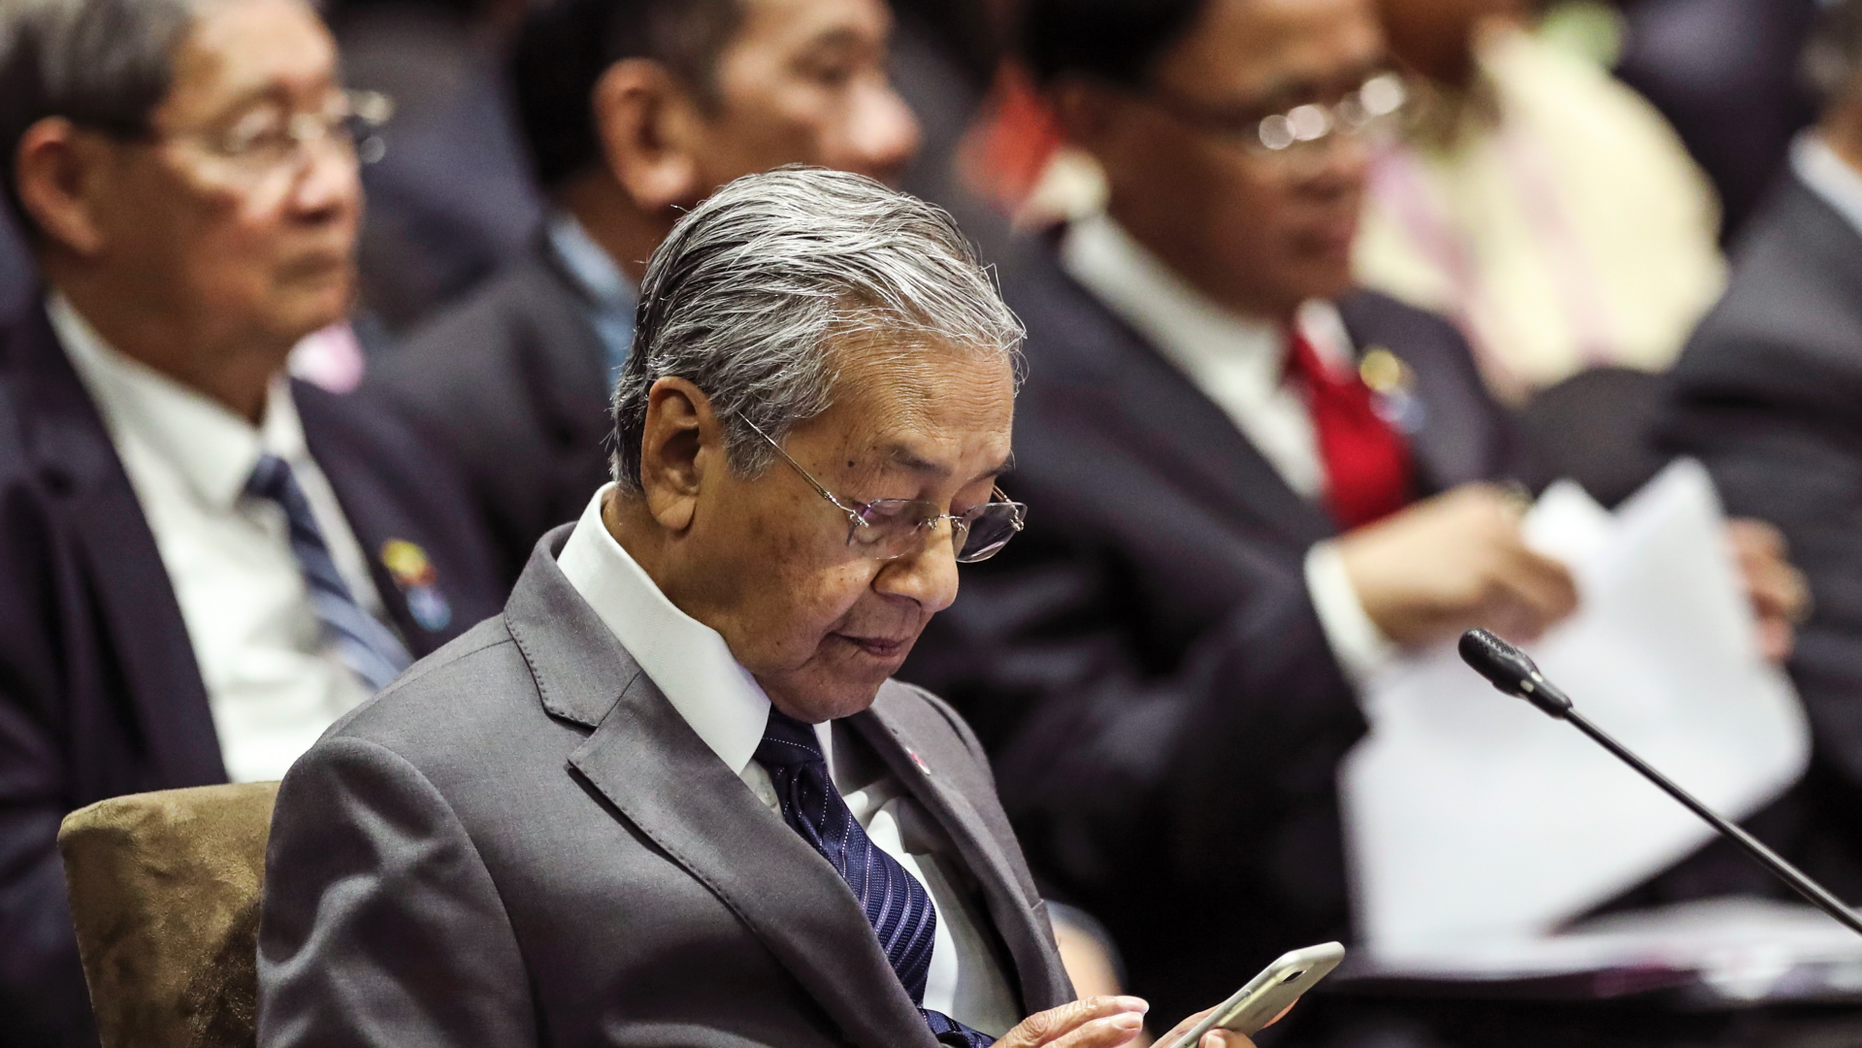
pixel 165 894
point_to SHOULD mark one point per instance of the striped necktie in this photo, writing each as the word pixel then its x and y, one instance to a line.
pixel 896 904
pixel 367 647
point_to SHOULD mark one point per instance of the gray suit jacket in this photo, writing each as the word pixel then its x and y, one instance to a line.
pixel 521 842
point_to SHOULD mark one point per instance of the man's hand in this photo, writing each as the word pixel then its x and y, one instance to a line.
pixel 1780 597
pixel 1212 1039
pixel 1452 563
pixel 1095 1022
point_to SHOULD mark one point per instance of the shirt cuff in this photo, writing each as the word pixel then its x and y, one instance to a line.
pixel 1358 645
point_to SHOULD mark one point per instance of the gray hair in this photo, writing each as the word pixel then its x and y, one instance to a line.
pixel 754 290
pixel 1833 57
pixel 102 64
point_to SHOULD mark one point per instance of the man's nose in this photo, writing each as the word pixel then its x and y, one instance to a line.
pixel 1342 164
pixel 927 575
pixel 330 184
pixel 883 135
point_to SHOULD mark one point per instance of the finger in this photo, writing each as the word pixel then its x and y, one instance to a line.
pixel 1756 539
pixel 1540 590
pixel 1777 640
pixel 1046 1028
pixel 1109 1032
pixel 1225 1039
pixel 1182 1030
pixel 1778 589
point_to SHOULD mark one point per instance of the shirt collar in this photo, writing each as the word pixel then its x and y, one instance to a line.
pixel 212 448
pixel 1188 327
pixel 689 660
pixel 1828 175
pixel 589 263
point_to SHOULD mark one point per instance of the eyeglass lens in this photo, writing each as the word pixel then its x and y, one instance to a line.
pixel 892 528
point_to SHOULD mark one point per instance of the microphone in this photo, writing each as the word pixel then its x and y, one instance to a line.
pixel 1510 671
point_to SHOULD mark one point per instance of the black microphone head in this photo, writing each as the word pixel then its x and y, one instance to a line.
pixel 1503 664
pixel 1509 670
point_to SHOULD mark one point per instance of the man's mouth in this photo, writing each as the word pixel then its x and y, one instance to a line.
pixel 879 647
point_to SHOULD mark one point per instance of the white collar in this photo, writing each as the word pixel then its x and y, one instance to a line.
pixel 1828 175
pixel 689 660
pixel 1187 326
pixel 214 449
pixel 589 262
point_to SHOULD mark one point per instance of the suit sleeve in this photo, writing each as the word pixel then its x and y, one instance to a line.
pixel 43 1000
pixel 381 925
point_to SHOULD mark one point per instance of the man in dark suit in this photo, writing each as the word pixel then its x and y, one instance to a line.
pixel 671 795
pixel 1767 395
pixel 634 110
pixel 1254 485
pixel 202 563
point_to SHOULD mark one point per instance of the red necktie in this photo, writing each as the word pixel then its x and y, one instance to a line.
pixel 1367 464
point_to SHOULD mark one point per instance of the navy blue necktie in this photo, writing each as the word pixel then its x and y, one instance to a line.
pixel 896 905
pixel 368 648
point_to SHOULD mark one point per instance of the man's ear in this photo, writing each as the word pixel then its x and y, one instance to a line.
pixel 649 125
pixel 681 449
pixel 61 172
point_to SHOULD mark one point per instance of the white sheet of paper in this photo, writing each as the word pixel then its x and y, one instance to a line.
pixel 1470 816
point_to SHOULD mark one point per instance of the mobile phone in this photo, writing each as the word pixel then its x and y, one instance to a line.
pixel 1269 993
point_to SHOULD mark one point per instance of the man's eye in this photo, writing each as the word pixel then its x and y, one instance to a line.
pixel 835 75
pixel 256 136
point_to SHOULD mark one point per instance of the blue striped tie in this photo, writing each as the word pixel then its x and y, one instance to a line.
pixel 896 905
pixel 368 648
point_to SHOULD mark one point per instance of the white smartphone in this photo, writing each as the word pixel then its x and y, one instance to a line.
pixel 1269 993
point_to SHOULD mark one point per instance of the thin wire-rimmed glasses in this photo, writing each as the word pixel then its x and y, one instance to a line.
pixel 268 142
pixel 1372 110
pixel 887 529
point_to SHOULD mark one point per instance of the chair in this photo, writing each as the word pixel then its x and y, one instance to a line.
pixel 165 894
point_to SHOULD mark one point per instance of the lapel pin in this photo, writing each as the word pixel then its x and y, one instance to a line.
pixel 413 573
pixel 1393 388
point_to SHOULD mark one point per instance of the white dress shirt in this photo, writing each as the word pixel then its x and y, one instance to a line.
pixel 1828 175
pixel 1239 363
pixel 695 670
pixel 274 682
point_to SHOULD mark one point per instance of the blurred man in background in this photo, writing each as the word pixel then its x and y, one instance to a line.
pixel 634 110
pixel 1542 205
pixel 452 199
pixel 1255 485
pixel 1769 391
pixel 202 563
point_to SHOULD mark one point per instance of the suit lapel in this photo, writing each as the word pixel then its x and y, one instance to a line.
pixel 140 618
pixel 662 778
pixel 1166 419
pixel 1029 939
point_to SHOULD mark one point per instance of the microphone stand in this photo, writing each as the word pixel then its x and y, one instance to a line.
pixel 1513 673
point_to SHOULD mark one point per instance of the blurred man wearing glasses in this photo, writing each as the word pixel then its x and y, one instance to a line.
pixel 202 563
pixel 671 795
pixel 1255 484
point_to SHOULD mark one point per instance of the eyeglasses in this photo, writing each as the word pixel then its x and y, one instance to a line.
pixel 887 529
pixel 1372 110
pixel 266 142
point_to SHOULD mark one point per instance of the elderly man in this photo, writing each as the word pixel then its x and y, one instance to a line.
pixel 202 563
pixel 1258 484
pixel 671 795
pixel 634 111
